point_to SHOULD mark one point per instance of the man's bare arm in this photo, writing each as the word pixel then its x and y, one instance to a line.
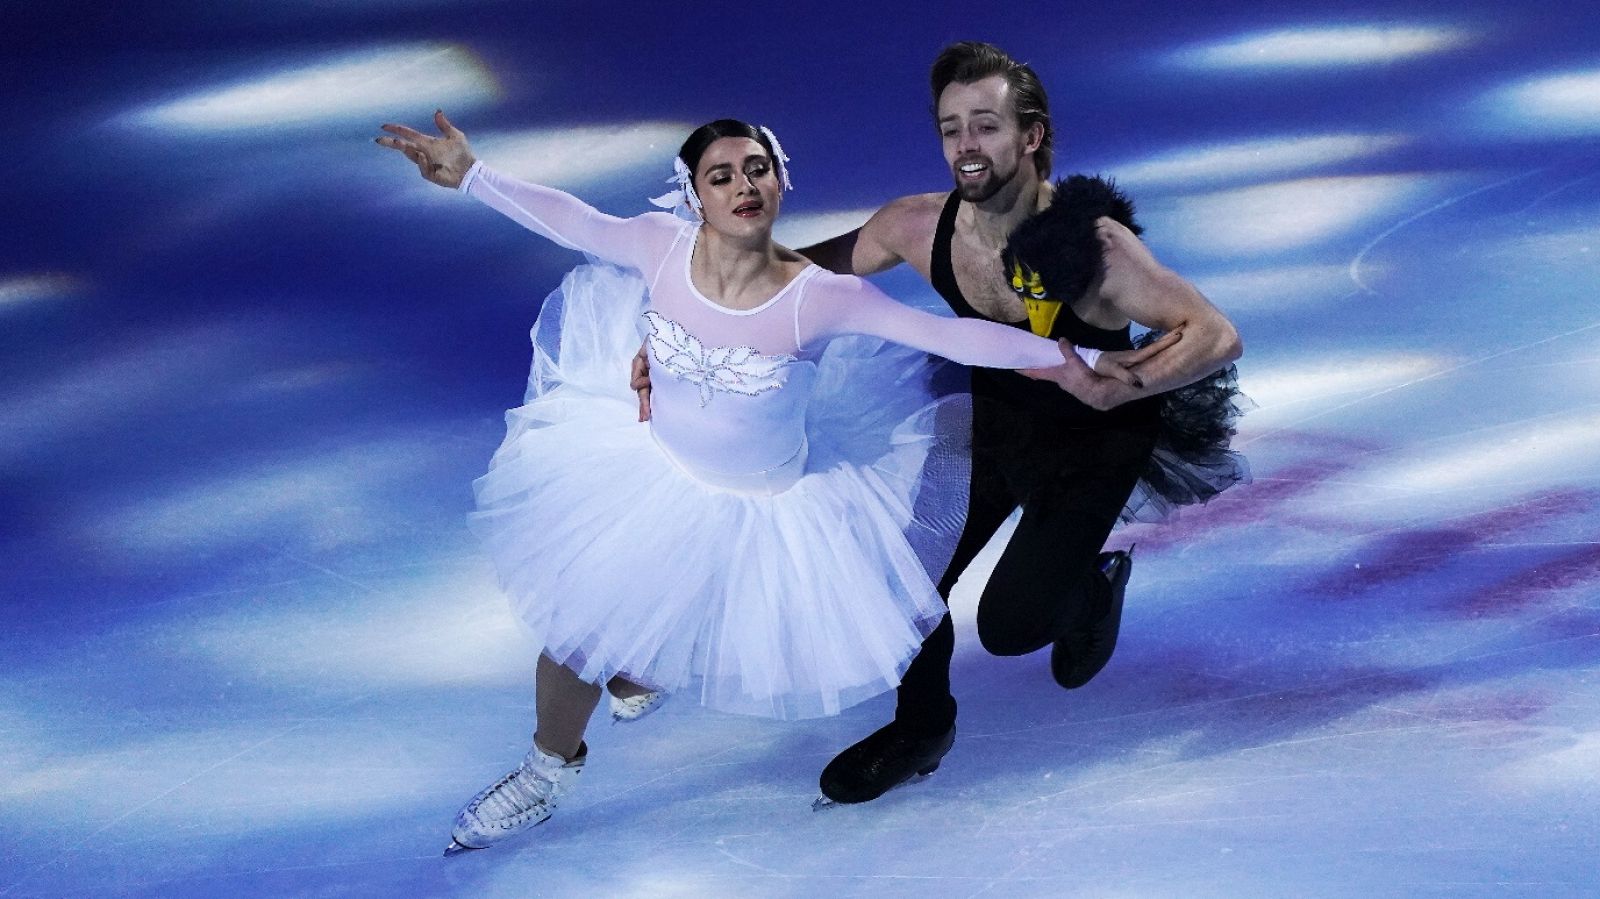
pixel 1138 287
pixel 836 254
pixel 889 238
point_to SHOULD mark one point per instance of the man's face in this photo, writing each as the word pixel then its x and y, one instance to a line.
pixel 983 142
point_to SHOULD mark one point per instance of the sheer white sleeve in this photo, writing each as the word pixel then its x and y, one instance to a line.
pixel 629 242
pixel 835 305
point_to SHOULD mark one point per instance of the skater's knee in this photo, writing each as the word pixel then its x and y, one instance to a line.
pixel 1001 636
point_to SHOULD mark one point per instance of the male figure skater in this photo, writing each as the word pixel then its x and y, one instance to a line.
pixel 1070 463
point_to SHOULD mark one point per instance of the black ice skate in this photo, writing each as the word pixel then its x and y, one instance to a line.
pixel 889 757
pixel 1077 657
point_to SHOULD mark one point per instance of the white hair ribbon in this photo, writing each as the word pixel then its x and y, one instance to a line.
pixel 782 161
pixel 685 192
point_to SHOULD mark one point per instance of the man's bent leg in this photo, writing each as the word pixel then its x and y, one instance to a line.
pixel 1048 584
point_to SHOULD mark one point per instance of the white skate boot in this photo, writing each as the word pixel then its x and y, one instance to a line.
pixel 520 800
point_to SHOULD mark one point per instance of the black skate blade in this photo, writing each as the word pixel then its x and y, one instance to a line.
pixel 455 849
pixel 823 802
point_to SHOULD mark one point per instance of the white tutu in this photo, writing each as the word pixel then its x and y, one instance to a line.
pixel 619 561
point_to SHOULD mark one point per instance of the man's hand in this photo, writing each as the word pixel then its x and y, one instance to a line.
pixel 1119 364
pixel 640 381
pixel 442 160
pixel 1096 387
pixel 1071 375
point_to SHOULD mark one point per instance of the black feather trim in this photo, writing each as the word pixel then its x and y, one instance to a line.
pixel 1059 243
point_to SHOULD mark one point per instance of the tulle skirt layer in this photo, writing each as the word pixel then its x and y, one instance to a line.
pixel 620 560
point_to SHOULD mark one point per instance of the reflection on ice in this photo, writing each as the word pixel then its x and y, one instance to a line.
pixel 1551 451
pixel 1257 159
pixel 1568 103
pixel 447 627
pixel 570 157
pixel 1558 770
pixel 355 85
pixel 119 386
pixel 1325 46
pixel 25 289
pixel 222 775
pixel 324 501
pixel 804 229
pixel 1274 387
pixel 1282 289
pixel 1481 473
pixel 1283 216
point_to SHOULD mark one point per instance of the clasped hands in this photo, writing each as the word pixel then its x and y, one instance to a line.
pixel 1072 375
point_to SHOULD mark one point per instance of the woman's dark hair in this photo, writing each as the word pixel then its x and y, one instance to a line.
pixel 701 138
pixel 971 61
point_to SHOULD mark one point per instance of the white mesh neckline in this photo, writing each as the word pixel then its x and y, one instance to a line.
pixel 688 279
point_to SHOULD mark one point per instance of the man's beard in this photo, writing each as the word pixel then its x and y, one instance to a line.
pixel 978 191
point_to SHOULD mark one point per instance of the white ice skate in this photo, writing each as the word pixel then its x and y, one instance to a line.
pixel 522 799
pixel 632 708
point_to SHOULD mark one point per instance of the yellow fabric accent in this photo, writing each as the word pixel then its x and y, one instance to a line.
pixel 1042 315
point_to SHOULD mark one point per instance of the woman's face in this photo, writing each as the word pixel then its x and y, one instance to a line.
pixel 738 187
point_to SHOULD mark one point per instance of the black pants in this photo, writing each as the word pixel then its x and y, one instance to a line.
pixel 1071 483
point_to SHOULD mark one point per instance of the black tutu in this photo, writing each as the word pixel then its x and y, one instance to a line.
pixel 1193 458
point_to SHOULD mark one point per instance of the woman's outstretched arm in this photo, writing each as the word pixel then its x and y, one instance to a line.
pixel 448 161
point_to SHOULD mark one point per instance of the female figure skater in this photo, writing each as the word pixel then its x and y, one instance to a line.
pixel 775 532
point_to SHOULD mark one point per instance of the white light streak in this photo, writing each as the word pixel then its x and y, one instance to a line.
pixel 1282 216
pixel 27 289
pixel 1509 454
pixel 571 157
pixel 1323 47
pixel 1254 159
pixel 367 84
pixel 1567 250
pixel 808 228
pixel 1568 103
pixel 116 387
pixel 1277 289
pixel 1559 770
pixel 400 635
pixel 326 500
pixel 1307 381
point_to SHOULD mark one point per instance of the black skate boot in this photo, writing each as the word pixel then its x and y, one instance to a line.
pixel 889 757
pixel 1077 657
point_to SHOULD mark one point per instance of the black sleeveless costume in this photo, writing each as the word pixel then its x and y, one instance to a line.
pixel 1070 467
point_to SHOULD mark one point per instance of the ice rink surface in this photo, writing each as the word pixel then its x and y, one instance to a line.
pixel 249 365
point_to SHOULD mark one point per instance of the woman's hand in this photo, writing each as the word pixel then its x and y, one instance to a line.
pixel 442 160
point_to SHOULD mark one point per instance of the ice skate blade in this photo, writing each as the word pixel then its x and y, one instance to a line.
pixel 823 802
pixel 455 849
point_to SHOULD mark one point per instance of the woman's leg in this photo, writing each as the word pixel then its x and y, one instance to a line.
pixel 622 688
pixel 564 703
